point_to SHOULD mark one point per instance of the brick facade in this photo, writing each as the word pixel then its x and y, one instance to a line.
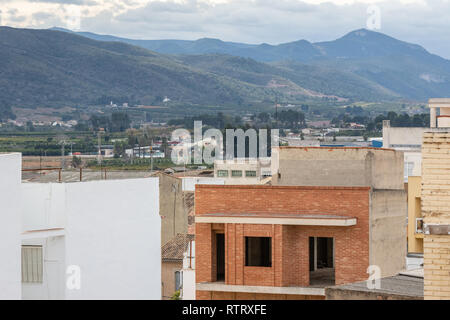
pixel 436 210
pixel 290 244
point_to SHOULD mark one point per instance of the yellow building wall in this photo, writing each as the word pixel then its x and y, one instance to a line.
pixel 415 240
pixel 436 210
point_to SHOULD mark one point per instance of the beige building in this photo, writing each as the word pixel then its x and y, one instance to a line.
pixel 415 219
pixel 379 169
pixel 436 201
pixel 174 207
pixel 408 140
pixel 172 255
pixel 243 171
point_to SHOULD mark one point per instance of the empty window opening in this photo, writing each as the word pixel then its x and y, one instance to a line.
pixel 321 261
pixel 220 250
pixel 258 252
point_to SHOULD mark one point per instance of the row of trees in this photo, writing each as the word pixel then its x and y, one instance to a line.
pixel 376 124
pixel 117 122
pixel 288 119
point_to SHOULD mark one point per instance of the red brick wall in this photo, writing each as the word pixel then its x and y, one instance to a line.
pixel 290 246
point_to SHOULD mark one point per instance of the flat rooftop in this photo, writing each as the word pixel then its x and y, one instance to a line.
pixel 403 284
pixel 439 100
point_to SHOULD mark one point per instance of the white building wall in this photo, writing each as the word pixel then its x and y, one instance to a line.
pixel 43 206
pixel 53 278
pixel 10 252
pixel 242 165
pixel 402 138
pixel 113 234
pixel 190 182
pixel 188 288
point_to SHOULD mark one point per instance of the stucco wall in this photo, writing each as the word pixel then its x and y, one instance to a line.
pixel 113 235
pixel 377 168
pixel 174 215
pixel 168 277
pixel 388 225
pixel 402 137
pixel 42 206
pixel 10 261
pixel 53 278
pixel 239 165
pixel 189 183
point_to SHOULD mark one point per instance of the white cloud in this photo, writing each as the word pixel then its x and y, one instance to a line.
pixel 425 22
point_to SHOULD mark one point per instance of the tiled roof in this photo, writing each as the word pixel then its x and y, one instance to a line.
pixel 175 248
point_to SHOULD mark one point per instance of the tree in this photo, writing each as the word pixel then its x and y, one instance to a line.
pixel 120 122
pixel 76 162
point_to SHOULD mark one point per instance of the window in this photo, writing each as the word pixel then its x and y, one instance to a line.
pixel 177 280
pixel 32 264
pixel 222 173
pixel 408 170
pixel 236 173
pixel 250 173
pixel 419 225
pixel 258 252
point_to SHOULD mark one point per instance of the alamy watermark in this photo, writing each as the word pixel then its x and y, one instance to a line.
pixel 207 147
pixel 73 281
pixel 374 280
pixel 374 20
pixel 73 17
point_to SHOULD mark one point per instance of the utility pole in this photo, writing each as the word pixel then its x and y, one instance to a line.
pixel 151 156
pixel 62 142
pixel 99 137
pixel 62 154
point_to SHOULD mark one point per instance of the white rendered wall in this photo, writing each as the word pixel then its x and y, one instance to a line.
pixel 10 250
pixel 188 291
pixel 113 234
pixel 43 206
pixel 190 182
pixel 53 279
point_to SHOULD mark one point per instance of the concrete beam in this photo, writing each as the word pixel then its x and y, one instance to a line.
pixel 279 221
pixel 221 287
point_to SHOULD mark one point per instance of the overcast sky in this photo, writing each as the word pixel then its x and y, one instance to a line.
pixel 425 22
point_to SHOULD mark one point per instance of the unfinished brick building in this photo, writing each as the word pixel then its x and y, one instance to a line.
pixel 288 242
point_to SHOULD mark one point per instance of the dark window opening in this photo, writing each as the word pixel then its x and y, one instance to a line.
pixel 321 261
pixel 258 252
pixel 220 246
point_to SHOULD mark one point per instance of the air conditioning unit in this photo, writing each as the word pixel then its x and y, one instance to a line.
pixel 419 225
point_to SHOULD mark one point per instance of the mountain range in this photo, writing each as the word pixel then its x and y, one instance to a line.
pixel 59 67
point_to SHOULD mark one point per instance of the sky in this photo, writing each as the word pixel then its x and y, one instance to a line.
pixel 423 22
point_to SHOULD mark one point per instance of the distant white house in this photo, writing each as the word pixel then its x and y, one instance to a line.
pixel 86 240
